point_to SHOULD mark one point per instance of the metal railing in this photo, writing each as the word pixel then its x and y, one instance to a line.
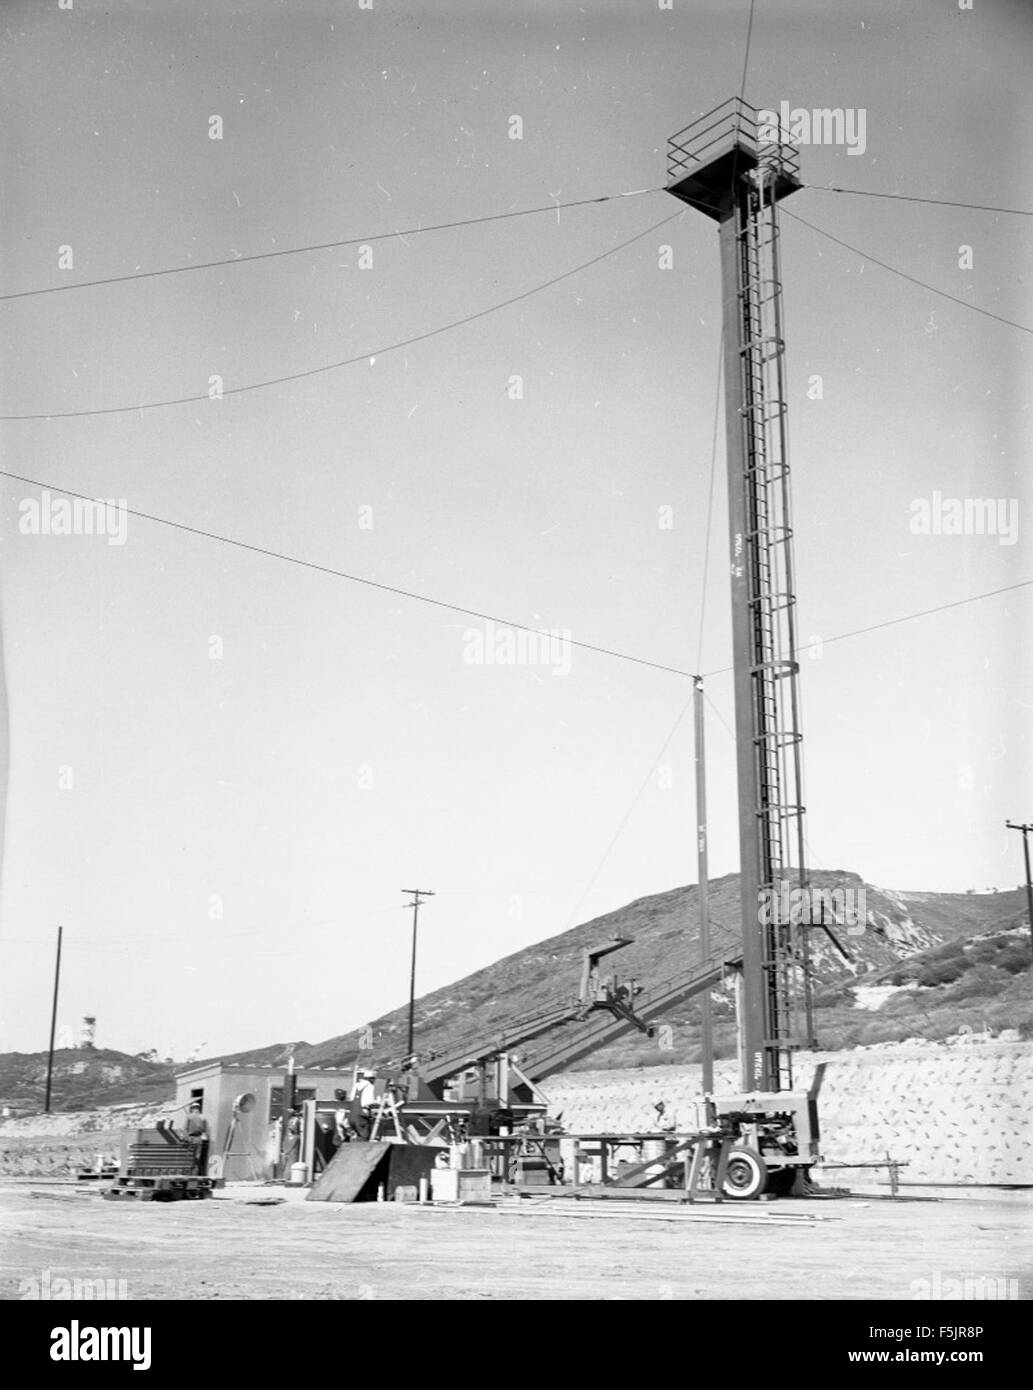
pixel 733 122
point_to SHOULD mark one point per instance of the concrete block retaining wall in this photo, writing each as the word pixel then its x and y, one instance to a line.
pixel 957 1112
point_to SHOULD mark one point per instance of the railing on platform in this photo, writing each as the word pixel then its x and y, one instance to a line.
pixel 733 121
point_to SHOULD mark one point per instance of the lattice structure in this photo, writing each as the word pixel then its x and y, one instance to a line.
pixel 725 166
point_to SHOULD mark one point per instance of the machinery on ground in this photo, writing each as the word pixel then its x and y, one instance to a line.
pixel 478 1088
pixel 478 1083
pixel 158 1165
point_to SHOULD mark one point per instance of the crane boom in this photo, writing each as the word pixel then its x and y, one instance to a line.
pixel 597 994
pixel 649 1005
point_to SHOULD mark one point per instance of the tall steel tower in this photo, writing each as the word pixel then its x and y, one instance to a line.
pixel 721 166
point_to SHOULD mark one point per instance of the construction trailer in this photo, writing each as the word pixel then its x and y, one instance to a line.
pixel 246 1139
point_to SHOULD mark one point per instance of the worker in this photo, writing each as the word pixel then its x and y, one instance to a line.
pixel 342 1119
pixel 667 1124
pixel 292 1148
pixel 362 1104
pixel 324 1144
pixel 666 1120
pixel 198 1136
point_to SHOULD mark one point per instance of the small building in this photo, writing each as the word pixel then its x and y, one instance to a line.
pixel 246 1131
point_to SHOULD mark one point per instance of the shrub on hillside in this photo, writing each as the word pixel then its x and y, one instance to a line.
pixel 942 972
pixel 905 974
pixel 948 951
pixel 979 982
pixel 904 1002
pixel 981 951
pixel 1015 958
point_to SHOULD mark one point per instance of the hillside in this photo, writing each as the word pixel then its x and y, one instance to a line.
pixel 928 966
pixel 84 1078
pixel 664 928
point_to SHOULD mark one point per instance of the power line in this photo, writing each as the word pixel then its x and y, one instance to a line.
pixel 717 387
pixel 840 637
pixel 746 54
pixel 811 856
pixel 905 276
pixel 720 717
pixel 483 313
pixel 628 813
pixel 401 233
pixel 910 198
pixel 925 612
pixel 359 357
pixel 352 578
pixel 321 246
pixel 906 618
pixel 475 613
pixel 706 555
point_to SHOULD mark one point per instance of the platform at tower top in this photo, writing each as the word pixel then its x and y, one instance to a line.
pixel 705 160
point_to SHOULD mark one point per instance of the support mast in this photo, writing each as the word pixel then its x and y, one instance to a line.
pixel 722 167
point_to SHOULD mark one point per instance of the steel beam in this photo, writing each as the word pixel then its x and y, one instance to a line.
pixel 753 1017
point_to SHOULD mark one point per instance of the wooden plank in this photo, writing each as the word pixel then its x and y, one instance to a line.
pixel 351 1171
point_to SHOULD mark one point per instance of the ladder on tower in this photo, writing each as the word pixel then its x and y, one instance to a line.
pixel 731 166
pixel 774 668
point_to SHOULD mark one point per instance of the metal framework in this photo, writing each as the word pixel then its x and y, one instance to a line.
pixel 563 1050
pixel 488 1054
pixel 724 166
pixel 692 1167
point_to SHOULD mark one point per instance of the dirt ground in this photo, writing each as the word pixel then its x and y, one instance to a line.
pixel 229 1247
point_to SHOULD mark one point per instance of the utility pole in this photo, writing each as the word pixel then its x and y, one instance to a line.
pixel 706 1012
pixel 417 895
pixel 53 1023
pixel 1026 830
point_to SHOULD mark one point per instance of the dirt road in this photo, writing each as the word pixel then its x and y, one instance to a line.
pixel 230 1248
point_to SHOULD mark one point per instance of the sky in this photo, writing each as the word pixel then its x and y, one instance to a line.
pixel 223 768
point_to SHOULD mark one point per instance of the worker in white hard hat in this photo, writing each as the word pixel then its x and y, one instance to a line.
pixel 363 1101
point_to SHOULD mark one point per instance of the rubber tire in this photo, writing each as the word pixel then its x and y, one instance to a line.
pixel 746 1175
